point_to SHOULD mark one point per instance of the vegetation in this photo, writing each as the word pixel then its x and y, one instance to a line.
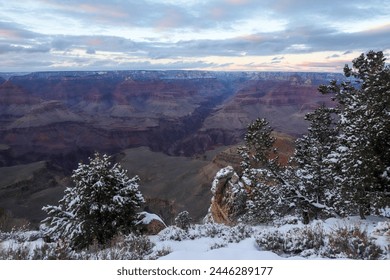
pixel 102 203
pixel 340 167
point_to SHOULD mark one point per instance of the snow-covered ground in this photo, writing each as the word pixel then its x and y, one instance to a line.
pixel 206 248
pixel 219 242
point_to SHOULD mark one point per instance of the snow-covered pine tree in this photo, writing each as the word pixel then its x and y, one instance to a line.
pixel 103 202
pixel 261 173
pixel 363 153
pixel 311 168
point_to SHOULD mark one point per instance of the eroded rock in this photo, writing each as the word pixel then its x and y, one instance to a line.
pixel 229 196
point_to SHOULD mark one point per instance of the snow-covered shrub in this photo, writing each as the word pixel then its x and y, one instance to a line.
pixel 352 242
pixel 103 202
pixel 272 240
pixel 160 253
pixel 20 235
pixel 213 230
pixel 298 240
pixel 173 233
pixel 129 247
pixel 59 250
pixel 229 234
pixel 238 233
pixel 183 220
pixel 304 241
pixel 121 247
pixel 21 252
pixel 382 228
pixel 287 220
pixel 219 244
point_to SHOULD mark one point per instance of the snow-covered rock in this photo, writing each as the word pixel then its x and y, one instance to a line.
pixel 150 224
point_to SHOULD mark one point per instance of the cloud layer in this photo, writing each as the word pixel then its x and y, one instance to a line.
pixel 298 35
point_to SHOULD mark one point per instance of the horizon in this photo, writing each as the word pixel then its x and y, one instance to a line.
pixel 171 70
pixel 215 35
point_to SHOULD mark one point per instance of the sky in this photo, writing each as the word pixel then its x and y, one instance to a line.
pixel 215 35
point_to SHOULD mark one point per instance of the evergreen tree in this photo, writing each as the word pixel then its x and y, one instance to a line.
pixel 261 174
pixel 362 157
pixel 102 203
pixel 311 168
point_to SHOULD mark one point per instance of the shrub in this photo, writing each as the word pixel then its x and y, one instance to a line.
pixel 353 242
pixel 271 241
pixel 305 241
pixel 310 238
pixel 343 242
pixel 183 220
pixel 238 233
pixel 173 233
pixel 218 245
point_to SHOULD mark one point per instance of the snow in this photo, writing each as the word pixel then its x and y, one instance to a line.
pixel 377 228
pixel 219 242
pixel 224 172
pixel 148 218
pixel 199 249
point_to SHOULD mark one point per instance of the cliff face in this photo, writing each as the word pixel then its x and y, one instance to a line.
pixel 283 103
pixel 176 112
pixel 49 114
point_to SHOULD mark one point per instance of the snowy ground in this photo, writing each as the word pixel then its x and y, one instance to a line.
pixel 218 242
pixel 199 249
pixel 377 228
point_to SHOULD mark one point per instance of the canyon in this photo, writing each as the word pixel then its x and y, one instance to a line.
pixel 174 129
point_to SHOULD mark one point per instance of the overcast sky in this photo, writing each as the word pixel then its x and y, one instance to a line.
pixel 265 35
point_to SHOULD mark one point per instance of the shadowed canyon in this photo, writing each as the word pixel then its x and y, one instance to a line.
pixel 174 129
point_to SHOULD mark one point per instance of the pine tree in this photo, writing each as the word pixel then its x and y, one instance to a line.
pixel 311 168
pixel 261 174
pixel 363 153
pixel 258 144
pixel 103 202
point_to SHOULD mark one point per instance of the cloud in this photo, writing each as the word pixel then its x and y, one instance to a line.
pixel 333 56
pixel 186 33
pixel 5 48
pixel 90 51
pixel 13 33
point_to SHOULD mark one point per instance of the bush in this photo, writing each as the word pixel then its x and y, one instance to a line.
pixel 130 247
pixel 271 241
pixel 173 233
pixel 59 250
pixel 228 234
pixel 344 242
pixel 353 242
pixel 183 220
pixel 305 241
pixel 121 247
pixel 239 233
pixel 18 253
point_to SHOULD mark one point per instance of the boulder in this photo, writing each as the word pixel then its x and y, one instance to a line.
pixel 150 224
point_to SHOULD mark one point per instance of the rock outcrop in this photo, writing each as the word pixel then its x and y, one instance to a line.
pixel 229 196
pixel 150 224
